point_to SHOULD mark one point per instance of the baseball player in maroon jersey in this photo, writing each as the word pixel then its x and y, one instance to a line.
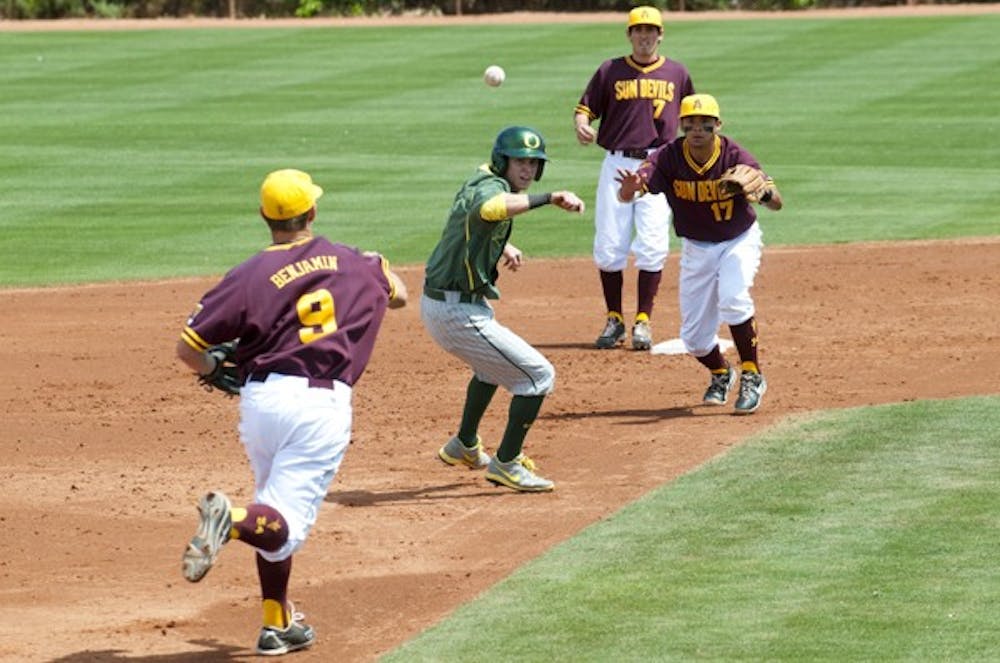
pixel 306 312
pixel 721 245
pixel 636 99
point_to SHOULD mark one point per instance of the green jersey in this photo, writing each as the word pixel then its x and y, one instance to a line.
pixel 466 257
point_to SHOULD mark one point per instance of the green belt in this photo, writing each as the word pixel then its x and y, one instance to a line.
pixel 442 296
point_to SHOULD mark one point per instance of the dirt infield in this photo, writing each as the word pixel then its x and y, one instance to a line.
pixel 107 444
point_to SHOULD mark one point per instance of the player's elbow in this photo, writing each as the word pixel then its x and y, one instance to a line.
pixel 401 295
pixel 188 356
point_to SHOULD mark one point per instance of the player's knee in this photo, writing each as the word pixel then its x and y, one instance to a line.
pixel 698 348
pixel 651 263
pixel 698 342
pixel 547 383
pixel 291 546
pixel 735 310
pixel 610 263
pixel 535 378
pixel 543 379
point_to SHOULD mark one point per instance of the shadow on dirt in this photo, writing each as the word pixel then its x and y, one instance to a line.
pixel 423 493
pixel 583 345
pixel 634 416
pixel 214 651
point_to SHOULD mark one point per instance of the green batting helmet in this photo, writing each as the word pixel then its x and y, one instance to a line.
pixel 522 142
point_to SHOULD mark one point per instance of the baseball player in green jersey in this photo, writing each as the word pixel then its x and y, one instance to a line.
pixel 460 279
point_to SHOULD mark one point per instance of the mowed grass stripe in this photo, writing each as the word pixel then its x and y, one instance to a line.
pixel 863 534
pixel 129 152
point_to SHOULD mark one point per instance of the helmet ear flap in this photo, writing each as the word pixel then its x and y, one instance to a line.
pixel 498 162
pixel 541 167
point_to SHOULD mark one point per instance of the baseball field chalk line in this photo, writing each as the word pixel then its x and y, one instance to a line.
pixel 676 347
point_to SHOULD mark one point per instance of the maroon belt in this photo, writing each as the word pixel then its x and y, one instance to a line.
pixel 315 383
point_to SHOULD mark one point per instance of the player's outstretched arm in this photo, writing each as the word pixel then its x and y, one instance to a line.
pixel 630 183
pixel 773 197
pixel 519 203
pixel 568 201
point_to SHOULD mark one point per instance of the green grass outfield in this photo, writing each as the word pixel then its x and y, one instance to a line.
pixel 137 154
pixel 858 535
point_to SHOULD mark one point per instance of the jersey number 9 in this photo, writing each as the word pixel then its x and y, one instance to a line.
pixel 318 315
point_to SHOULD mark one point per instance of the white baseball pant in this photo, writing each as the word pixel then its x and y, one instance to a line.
pixel 295 437
pixel 641 227
pixel 714 287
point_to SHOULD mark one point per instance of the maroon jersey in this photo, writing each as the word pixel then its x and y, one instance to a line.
pixel 637 104
pixel 701 210
pixel 310 308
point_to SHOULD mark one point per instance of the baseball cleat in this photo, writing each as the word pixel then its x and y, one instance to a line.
pixel 212 534
pixel 613 334
pixel 642 336
pixel 275 641
pixel 517 474
pixel 752 388
pixel 456 453
pixel 718 390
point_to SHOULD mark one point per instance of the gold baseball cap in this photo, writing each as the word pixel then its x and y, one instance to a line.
pixel 700 104
pixel 645 16
pixel 287 193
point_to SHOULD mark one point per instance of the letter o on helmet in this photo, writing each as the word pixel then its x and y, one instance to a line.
pixel 520 142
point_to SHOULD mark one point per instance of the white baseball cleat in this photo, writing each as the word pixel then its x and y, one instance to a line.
pixel 213 532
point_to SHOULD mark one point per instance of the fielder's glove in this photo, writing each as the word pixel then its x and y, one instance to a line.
pixel 744 179
pixel 226 375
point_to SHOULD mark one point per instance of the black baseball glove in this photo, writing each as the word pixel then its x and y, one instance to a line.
pixel 226 375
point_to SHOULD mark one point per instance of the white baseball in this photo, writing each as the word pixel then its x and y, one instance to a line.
pixel 494 75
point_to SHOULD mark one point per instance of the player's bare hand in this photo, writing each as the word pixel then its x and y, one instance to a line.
pixel 512 257
pixel 630 182
pixel 585 134
pixel 568 200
